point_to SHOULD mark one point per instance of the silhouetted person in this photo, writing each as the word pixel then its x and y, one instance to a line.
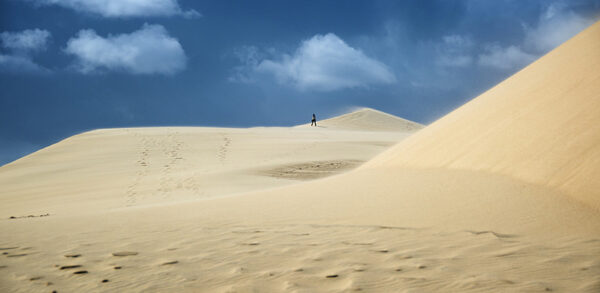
pixel 314 120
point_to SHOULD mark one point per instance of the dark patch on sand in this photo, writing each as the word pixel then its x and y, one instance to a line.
pixel 28 216
pixel 311 170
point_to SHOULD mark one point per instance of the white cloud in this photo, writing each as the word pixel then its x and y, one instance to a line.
pixel 22 46
pixel 250 57
pixel 454 51
pixel 124 8
pixel 322 63
pixel 23 64
pixel 510 57
pixel 145 51
pixel 555 26
pixel 27 40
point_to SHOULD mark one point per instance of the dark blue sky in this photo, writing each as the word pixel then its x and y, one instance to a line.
pixel 68 66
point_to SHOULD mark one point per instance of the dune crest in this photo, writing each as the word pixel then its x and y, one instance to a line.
pixel 541 125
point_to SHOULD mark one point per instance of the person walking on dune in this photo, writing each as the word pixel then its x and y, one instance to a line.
pixel 314 120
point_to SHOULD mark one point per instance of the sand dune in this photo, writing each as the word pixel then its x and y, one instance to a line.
pixel 370 120
pixel 111 168
pixel 541 125
pixel 473 203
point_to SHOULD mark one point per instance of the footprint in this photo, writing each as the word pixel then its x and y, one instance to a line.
pixel 222 154
pixel 80 272
pixel 124 253
pixel 169 263
pixel 331 276
pixel 68 267
pixel 72 255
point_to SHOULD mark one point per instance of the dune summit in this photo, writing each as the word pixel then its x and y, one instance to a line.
pixel 368 119
pixel 541 125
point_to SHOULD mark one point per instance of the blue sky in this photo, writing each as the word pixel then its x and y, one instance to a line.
pixel 68 66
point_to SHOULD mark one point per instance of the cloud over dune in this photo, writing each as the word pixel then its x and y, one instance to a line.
pixel 555 26
pixel 123 8
pixel 149 50
pixel 321 63
pixel 505 58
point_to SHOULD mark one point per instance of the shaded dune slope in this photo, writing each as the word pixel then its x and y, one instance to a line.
pixel 541 125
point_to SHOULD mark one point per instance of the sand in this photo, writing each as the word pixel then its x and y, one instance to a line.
pixel 496 196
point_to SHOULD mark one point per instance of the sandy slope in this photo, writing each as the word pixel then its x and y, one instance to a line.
pixel 452 221
pixel 542 125
pixel 111 168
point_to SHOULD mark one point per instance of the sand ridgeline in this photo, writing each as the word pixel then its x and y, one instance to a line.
pixel 474 216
